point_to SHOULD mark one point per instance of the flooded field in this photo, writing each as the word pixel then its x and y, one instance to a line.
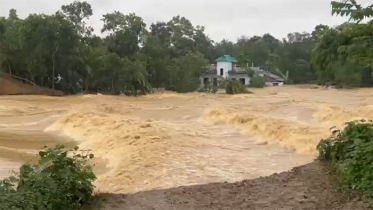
pixel 166 140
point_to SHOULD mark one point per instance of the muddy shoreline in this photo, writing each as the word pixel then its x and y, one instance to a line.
pixel 311 186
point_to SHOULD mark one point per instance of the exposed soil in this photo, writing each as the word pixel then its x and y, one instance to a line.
pixel 307 187
pixel 10 86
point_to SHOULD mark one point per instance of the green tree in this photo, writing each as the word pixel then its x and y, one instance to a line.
pixel 133 79
pixel 157 58
pixel 78 13
pixel 260 53
pixel 163 32
pixel 126 33
pixel 344 54
pixel 185 71
pixel 351 8
pixel 203 43
pixel 182 36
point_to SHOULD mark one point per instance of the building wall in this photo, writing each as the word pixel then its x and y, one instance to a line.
pixel 272 84
pixel 226 66
pixel 239 76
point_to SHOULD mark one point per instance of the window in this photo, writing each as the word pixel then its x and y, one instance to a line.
pixel 242 81
pixel 221 72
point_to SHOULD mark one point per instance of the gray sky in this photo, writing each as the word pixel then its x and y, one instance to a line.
pixel 222 18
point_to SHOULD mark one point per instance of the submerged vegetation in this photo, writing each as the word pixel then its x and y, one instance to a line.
pixel 258 82
pixel 235 87
pixel 208 89
pixel 60 180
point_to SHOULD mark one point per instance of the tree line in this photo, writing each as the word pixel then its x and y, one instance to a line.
pixel 344 55
pixel 60 51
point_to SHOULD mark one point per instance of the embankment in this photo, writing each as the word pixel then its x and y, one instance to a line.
pixel 10 86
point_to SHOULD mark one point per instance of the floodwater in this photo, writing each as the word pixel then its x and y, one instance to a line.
pixel 167 140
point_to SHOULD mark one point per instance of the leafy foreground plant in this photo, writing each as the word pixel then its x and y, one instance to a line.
pixel 351 155
pixel 60 180
pixel 234 87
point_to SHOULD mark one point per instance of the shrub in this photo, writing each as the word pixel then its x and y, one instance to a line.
pixel 60 180
pixel 351 154
pixel 234 87
pixel 207 89
pixel 258 82
pixel 223 83
pixel 187 85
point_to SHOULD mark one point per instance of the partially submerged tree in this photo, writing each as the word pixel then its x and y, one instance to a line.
pixel 185 71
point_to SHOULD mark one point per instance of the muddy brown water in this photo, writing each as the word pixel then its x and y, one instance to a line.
pixel 21 146
pixel 167 140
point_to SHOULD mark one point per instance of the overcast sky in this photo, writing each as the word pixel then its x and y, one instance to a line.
pixel 222 18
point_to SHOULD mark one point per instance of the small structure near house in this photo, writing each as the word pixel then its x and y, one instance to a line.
pixel 270 79
pixel 226 68
pixel 273 80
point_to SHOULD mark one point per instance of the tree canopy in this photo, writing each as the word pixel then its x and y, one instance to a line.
pixel 60 51
pixel 344 54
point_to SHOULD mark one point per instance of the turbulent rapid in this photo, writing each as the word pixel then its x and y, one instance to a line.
pixel 167 140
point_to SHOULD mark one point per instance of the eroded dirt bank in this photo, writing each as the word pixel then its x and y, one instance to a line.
pixel 307 187
pixel 166 140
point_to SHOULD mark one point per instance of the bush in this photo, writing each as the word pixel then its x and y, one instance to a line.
pixel 234 87
pixel 187 85
pixel 208 89
pixel 351 154
pixel 258 82
pixel 223 83
pixel 60 180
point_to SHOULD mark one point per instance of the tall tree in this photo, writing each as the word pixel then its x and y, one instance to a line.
pixel 162 31
pixel 78 13
pixel 126 33
pixel 344 54
pixel 185 71
pixel 157 58
pixel 182 36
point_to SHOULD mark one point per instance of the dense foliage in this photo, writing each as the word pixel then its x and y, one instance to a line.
pixel 60 51
pixel 184 72
pixel 351 154
pixel 60 180
pixel 258 82
pixel 344 54
pixel 235 87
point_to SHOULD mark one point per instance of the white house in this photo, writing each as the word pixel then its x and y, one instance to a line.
pixel 226 67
